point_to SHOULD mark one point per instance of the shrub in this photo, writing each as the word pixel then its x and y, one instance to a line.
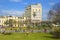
pixel 56 32
pixel 7 32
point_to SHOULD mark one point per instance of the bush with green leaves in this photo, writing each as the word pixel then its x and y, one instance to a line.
pixel 7 31
pixel 56 32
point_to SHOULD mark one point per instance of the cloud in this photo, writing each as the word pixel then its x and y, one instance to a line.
pixel 21 1
pixel 51 3
pixel 45 14
pixel 15 0
pixel 11 12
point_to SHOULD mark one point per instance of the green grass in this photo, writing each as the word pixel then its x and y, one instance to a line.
pixel 23 36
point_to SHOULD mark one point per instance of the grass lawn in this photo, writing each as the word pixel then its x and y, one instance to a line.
pixel 23 36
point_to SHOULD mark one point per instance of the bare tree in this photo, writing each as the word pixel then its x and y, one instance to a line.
pixel 54 13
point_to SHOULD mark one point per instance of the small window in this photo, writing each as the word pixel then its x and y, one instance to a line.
pixel 39 9
pixel 33 9
pixel 36 9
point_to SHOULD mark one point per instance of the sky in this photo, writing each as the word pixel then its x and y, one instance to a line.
pixel 17 7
